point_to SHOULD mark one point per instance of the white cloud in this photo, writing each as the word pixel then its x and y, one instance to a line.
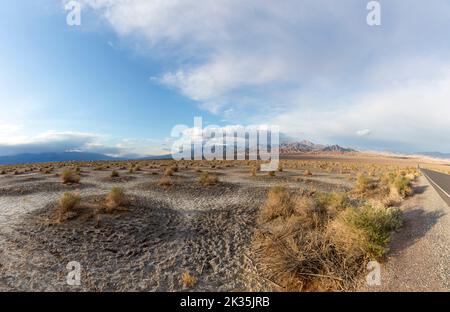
pixel 412 116
pixel 311 66
pixel 58 141
pixel 226 74
pixel 363 132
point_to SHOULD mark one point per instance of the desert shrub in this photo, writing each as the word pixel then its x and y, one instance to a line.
pixel 165 181
pixel 207 179
pixel 364 184
pixel 253 171
pixel 271 173
pixel 403 186
pixel 2 172
pixel 374 225
pixel 168 172
pixel 280 167
pixel 114 174
pixel 116 198
pixel 188 280
pixel 319 241
pixel 67 203
pixel 68 176
pixel 302 260
pixel 392 199
pixel 331 202
pixel 293 249
pixel 278 204
pixel 307 173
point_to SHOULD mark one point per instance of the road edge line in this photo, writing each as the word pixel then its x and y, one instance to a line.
pixel 431 180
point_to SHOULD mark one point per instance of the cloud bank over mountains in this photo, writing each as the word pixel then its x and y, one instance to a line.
pixel 313 67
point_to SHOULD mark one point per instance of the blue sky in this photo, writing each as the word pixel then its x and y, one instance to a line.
pixel 118 83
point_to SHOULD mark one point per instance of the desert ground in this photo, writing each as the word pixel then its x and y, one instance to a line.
pixel 203 226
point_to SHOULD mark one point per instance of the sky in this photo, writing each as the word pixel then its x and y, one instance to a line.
pixel 119 82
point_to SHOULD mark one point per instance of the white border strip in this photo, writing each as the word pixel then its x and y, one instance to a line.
pixel 431 180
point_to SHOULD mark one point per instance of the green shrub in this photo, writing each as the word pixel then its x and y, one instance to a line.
pixel 376 225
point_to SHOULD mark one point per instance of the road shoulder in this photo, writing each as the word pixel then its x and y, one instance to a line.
pixel 419 259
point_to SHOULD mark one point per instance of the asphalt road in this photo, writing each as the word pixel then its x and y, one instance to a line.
pixel 440 181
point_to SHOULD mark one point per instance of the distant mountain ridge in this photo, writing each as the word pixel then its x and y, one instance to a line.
pixel 306 146
pixel 435 155
pixel 29 158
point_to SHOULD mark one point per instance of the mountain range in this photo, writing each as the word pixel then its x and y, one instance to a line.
pixel 435 155
pixel 30 158
pixel 27 158
pixel 306 146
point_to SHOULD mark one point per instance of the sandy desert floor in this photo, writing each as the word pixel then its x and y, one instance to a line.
pixel 164 231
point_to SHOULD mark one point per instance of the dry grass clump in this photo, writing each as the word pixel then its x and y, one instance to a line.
pixel 115 174
pixel 188 280
pixel 67 203
pixel 402 184
pixel 46 170
pixel 283 204
pixel 332 203
pixel 69 176
pixel 390 188
pixel 364 184
pixel 319 241
pixel 253 171
pixel 279 203
pixel 165 181
pixel 115 199
pixel 271 173
pixel 280 167
pixel 168 172
pixel 207 179
pixel 307 173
